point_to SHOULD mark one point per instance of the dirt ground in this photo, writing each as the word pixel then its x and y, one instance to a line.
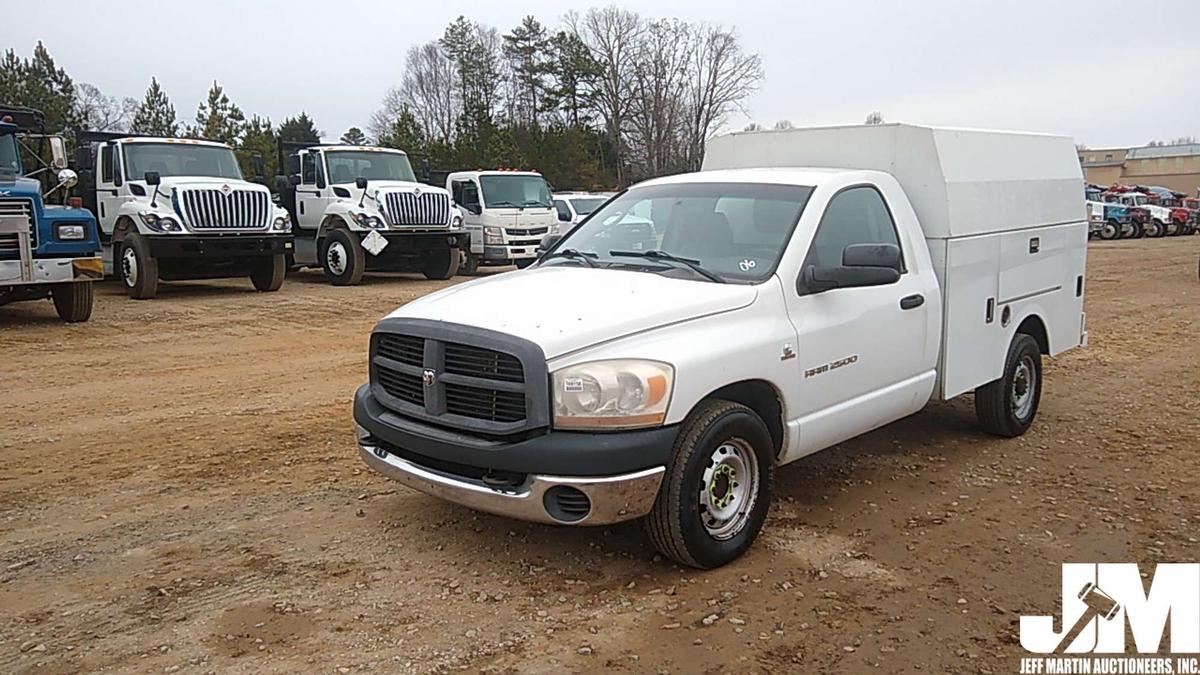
pixel 181 492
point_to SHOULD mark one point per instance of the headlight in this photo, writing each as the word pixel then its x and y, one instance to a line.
pixel 159 223
pixel 68 232
pixel 370 221
pixel 618 394
pixel 493 235
pixel 282 223
pixel 456 222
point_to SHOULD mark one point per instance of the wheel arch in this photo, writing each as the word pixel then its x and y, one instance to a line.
pixel 764 399
pixel 1033 326
pixel 333 221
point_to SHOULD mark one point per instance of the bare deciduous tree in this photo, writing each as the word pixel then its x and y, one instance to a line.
pixel 99 112
pixel 428 89
pixel 784 125
pixel 612 34
pixel 661 93
pixel 721 76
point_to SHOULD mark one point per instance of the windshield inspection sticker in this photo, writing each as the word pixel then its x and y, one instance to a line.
pixel 573 385
pixel 374 242
pixel 747 265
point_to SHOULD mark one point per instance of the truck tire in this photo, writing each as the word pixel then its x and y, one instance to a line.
pixel 137 269
pixel 1155 229
pixel 73 301
pixel 1006 407
pixel 1171 229
pixel 342 258
pixel 470 264
pixel 1110 230
pixel 717 489
pixel 267 273
pixel 441 265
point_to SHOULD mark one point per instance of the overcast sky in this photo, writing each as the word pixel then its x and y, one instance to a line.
pixel 1109 73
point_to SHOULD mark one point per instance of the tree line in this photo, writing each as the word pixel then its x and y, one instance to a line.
pixel 607 98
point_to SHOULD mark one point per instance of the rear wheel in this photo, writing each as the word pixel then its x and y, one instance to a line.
pixel 73 301
pixel 267 273
pixel 137 269
pixel 342 258
pixel 470 264
pixel 717 490
pixel 1006 407
pixel 441 264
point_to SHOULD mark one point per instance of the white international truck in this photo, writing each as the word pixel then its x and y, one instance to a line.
pixel 360 208
pixel 173 209
pixel 506 212
pixel 777 309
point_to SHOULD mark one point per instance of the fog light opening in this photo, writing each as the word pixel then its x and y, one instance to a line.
pixel 566 504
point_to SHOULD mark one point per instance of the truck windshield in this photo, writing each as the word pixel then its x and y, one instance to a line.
pixel 179 159
pixel 737 231
pixel 514 190
pixel 10 160
pixel 585 205
pixel 347 166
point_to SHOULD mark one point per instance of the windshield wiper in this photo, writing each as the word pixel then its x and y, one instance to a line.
pixel 544 205
pixel 586 258
pixel 494 204
pixel 652 254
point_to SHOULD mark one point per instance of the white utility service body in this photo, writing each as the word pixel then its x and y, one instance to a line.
pixel 506 212
pixel 770 323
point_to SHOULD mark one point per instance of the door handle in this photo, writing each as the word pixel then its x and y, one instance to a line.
pixel 912 301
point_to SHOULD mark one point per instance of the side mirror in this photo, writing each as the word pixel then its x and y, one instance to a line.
pixel 282 184
pixel 152 178
pixel 360 183
pixel 67 178
pixel 58 153
pixel 873 255
pixel 293 179
pixel 815 279
pixel 548 242
pixel 564 217
pixel 260 169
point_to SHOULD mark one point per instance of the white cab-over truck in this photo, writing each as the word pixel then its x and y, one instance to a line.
pixel 507 214
pixel 360 208
pixel 774 312
pixel 173 209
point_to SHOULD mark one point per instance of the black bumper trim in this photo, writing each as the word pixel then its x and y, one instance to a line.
pixel 558 453
pixel 220 246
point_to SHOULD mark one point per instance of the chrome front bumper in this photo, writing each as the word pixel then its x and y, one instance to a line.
pixel 613 499
pixel 49 270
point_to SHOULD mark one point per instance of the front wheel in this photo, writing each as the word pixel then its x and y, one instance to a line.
pixel 441 265
pixel 1006 407
pixel 470 264
pixel 525 262
pixel 343 259
pixel 1155 229
pixel 1110 230
pixel 716 492
pixel 267 273
pixel 137 269
pixel 73 301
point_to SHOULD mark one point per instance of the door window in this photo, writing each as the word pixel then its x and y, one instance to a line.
pixel 106 163
pixel 564 213
pixel 855 216
pixel 308 168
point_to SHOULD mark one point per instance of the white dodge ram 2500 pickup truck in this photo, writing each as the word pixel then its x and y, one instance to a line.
pixel 767 312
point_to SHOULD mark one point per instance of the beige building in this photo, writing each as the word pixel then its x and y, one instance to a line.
pixel 1172 166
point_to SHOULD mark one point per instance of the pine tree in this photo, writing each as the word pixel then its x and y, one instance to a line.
pixel 354 136
pixel 404 134
pixel 299 129
pixel 39 83
pixel 259 138
pixel 155 116
pixel 525 48
pixel 219 119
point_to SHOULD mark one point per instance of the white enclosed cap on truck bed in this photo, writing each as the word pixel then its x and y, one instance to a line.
pixel 961 182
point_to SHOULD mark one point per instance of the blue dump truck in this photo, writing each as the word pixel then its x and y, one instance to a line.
pixel 47 251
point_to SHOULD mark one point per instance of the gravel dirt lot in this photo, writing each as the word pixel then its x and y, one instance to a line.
pixel 181 492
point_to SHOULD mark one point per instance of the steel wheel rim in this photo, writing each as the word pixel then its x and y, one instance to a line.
pixel 129 267
pixel 1023 388
pixel 335 258
pixel 728 489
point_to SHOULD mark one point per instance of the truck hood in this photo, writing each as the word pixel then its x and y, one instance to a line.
pixel 203 183
pixel 397 186
pixel 564 309
pixel 13 186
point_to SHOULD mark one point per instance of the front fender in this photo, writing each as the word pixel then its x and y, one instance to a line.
pixel 341 214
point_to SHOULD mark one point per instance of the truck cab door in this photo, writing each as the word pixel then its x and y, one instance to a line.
pixel 313 194
pixel 465 193
pixel 866 355
pixel 111 188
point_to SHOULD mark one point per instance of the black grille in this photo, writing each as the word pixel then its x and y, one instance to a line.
pixel 461 383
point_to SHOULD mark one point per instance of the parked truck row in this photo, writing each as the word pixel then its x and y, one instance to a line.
pixel 1134 211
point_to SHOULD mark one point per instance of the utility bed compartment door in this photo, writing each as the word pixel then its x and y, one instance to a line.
pixel 1032 262
pixel 971 335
